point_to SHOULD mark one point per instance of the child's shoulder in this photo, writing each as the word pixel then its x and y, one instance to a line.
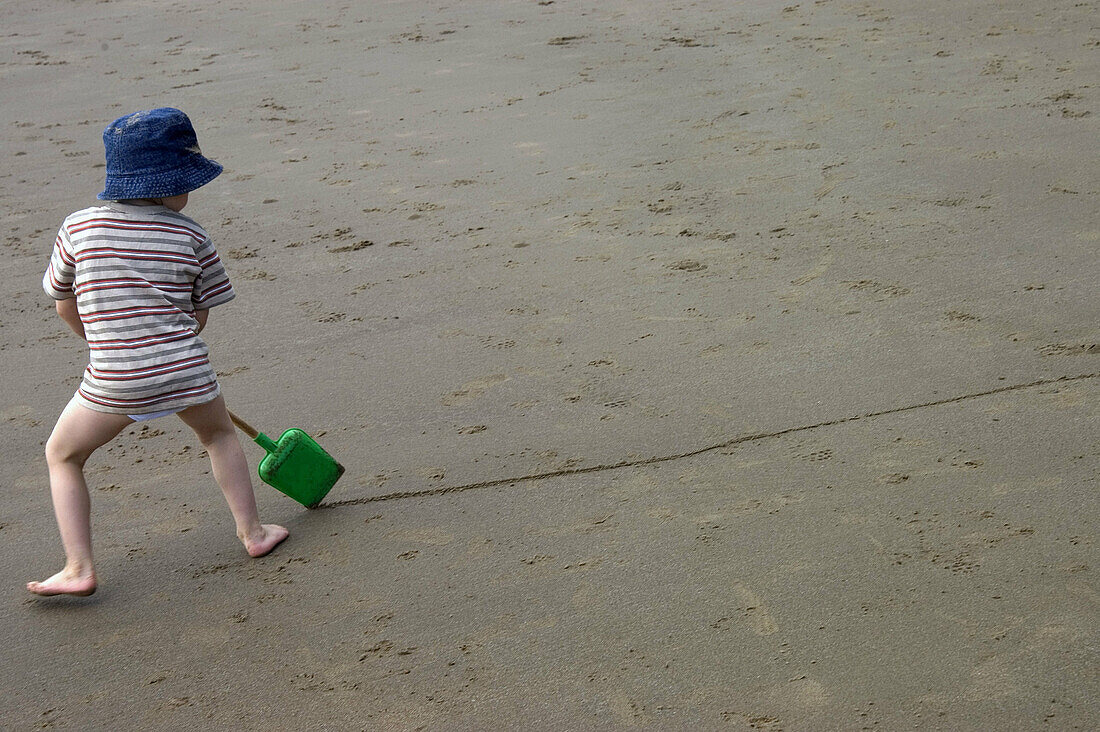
pixel 181 219
pixel 86 214
pixel 177 219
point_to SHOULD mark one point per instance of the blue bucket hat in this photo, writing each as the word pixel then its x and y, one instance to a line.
pixel 154 154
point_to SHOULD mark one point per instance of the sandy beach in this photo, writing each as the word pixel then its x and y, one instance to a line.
pixel 724 365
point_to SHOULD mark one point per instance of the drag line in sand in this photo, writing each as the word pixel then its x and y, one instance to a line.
pixel 699 451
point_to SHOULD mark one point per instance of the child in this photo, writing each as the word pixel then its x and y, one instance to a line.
pixel 137 279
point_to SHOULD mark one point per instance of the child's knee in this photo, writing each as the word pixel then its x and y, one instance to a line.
pixel 213 434
pixel 60 451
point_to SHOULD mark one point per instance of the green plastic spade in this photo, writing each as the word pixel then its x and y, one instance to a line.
pixel 294 464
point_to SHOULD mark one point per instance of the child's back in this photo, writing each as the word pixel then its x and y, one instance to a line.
pixel 139 273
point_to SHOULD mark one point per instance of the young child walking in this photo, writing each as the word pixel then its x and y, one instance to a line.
pixel 136 279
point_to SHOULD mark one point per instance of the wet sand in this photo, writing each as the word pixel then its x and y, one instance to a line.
pixel 722 365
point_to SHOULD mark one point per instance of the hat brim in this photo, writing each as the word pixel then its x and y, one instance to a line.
pixel 194 173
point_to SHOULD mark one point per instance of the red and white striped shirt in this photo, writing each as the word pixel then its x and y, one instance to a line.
pixel 138 274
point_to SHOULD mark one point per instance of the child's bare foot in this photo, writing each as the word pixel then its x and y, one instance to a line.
pixel 271 536
pixel 65 582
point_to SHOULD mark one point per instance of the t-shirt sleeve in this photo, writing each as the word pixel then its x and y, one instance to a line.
pixel 212 286
pixel 58 280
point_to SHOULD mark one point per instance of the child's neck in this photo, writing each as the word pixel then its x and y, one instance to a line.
pixel 172 203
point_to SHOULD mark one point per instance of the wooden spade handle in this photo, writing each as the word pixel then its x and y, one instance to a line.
pixel 245 427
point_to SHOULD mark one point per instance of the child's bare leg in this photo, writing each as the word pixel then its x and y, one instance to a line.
pixel 215 431
pixel 78 433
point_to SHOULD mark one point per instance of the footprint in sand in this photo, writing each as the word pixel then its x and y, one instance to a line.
pixel 752 612
pixel 819 269
pixel 472 390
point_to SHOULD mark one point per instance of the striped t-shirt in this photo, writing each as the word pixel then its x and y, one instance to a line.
pixel 138 273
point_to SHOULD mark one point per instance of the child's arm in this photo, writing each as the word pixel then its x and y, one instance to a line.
pixel 67 310
pixel 201 317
